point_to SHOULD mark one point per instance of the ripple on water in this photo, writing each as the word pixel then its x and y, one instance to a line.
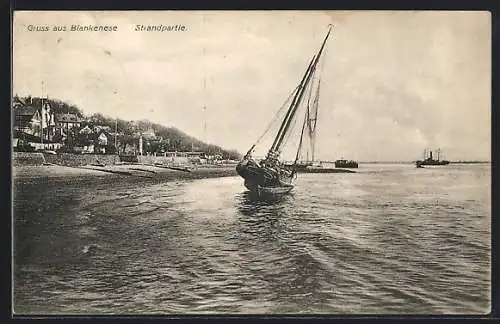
pixel 386 241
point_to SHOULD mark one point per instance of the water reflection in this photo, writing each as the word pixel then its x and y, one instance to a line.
pixel 293 275
pixel 261 218
pixel 250 203
pixel 210 246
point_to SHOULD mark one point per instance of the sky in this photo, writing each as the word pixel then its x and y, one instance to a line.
pixel 392 83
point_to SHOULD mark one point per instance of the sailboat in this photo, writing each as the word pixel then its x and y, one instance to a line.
pixel 270 175
pixel 309 129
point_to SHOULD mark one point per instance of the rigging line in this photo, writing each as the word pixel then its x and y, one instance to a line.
pixel 314 132
pixel 316 100
pixel 297 100
pixel 302 135
pixel 287 135
pixel 290 123
pixel 319 74
pixel 306 79
pixel 276 116
pixel 279 136
pixel 313 121
pixel 321 69
pixel 313 78
pixel 313 129
pixel 309 103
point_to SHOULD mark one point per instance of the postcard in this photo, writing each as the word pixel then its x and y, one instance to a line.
pixel 251 162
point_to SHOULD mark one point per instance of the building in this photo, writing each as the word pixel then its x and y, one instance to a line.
pixel 102 138
pixel 101 141
pixel 65 122
pixel 88 149
pixel 98 128
pixel 149 134
pixel 128 148
pixel 48 121
pixel 27 142
pixel 27 120
pixel 86 130
pixel 34 119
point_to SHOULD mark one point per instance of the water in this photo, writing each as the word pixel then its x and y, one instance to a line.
pixel 391 239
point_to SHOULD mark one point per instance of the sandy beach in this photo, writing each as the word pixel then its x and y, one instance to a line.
pixel 126 172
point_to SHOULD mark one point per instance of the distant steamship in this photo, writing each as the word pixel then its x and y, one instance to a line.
pixel 429 159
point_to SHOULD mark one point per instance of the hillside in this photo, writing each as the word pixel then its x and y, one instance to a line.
pixel 168 138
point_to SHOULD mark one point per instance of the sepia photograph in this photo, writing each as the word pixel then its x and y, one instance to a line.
pixel 251 162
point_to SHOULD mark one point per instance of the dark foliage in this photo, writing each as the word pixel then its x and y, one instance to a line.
pixel 166 139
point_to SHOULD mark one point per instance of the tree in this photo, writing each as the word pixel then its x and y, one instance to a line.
pixel 174 139
pixel 110 149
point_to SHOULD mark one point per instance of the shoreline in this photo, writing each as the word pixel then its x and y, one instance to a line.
pixel 125 172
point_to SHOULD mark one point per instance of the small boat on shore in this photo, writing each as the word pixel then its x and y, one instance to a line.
pixel 172 167
pixel 271 176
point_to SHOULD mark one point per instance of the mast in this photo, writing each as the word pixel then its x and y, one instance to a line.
pixel 301 136
pixel 42 117
pixel 313 121
pixel 300 94
pixel 41 121
pixel 290 109
pixel 116 133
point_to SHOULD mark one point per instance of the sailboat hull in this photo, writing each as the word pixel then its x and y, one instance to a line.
pixel 268 191
pixel 263 180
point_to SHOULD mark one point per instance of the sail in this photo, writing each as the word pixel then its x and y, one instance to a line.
pixel 269 175
pixel 290 113
pixel 309 129
pixel 313 121
pixel 297 100
pixel 304 125
pixel 275 122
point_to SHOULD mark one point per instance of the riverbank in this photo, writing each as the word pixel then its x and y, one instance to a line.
pixel 125 172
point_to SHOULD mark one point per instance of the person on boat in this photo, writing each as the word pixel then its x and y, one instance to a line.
pixel 272 164
pixel 273 158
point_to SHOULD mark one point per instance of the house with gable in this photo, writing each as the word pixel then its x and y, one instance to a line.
pixel 98 128
pixel 85 130
pixel 33 125
pixel 36 119
pixel 149 134
pixel 65 122
pixel 27 119
pixel 102 141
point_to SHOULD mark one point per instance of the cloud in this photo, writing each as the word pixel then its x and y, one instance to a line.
pixel 392 82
